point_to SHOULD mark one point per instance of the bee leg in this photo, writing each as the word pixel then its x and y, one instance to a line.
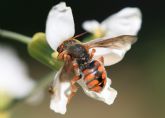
pixel 101 59
pixel 67 57
pixel 70 96
pixel 76 68
pixel 104 76
pixel 74 88
pixel 64 56
pixel 92 53
pixel 73 81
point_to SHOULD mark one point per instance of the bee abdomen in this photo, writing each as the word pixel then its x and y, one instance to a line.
pixel 95 76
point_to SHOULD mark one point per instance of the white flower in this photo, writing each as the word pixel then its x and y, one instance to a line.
pixel 14 79
pixel 60 27
pixel 125 22
pixel 107 95
pixel 60 91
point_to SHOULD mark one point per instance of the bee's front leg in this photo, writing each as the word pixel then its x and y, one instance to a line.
pixel 64 56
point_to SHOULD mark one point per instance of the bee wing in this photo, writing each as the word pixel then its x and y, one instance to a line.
pixel 112 49
pixel 117 42
pixel 60 89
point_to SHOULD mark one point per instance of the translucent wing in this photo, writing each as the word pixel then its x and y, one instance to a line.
pixel 112 49
pixel 116 42
pixel 60 89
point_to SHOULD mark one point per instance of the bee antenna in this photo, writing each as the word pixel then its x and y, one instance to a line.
pixel 80 35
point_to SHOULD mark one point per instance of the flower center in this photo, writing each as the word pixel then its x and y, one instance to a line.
pixel 99 32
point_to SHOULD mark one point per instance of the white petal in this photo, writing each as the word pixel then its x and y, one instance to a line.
pixel 59 97
pixel 91 26
pixel 107 95
pixel 125 22
pixel 14 78
pixel 59 25
pixel 111 56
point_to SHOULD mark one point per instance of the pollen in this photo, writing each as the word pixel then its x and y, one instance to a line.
pixel 99 33
pixel 55 54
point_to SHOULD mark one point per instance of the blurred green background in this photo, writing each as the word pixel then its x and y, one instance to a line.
pixel 139 78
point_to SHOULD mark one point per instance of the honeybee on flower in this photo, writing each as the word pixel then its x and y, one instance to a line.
pixel 81 62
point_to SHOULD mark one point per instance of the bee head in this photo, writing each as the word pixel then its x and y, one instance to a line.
pixel 65 45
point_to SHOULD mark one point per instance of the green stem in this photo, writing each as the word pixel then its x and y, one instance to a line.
pixel 15 36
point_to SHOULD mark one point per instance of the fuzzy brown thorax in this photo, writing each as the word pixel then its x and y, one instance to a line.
pixel 76 50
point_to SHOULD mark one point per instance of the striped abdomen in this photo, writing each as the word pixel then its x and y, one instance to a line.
pixel 95 76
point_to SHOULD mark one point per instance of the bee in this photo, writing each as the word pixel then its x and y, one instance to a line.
pixel 80 64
